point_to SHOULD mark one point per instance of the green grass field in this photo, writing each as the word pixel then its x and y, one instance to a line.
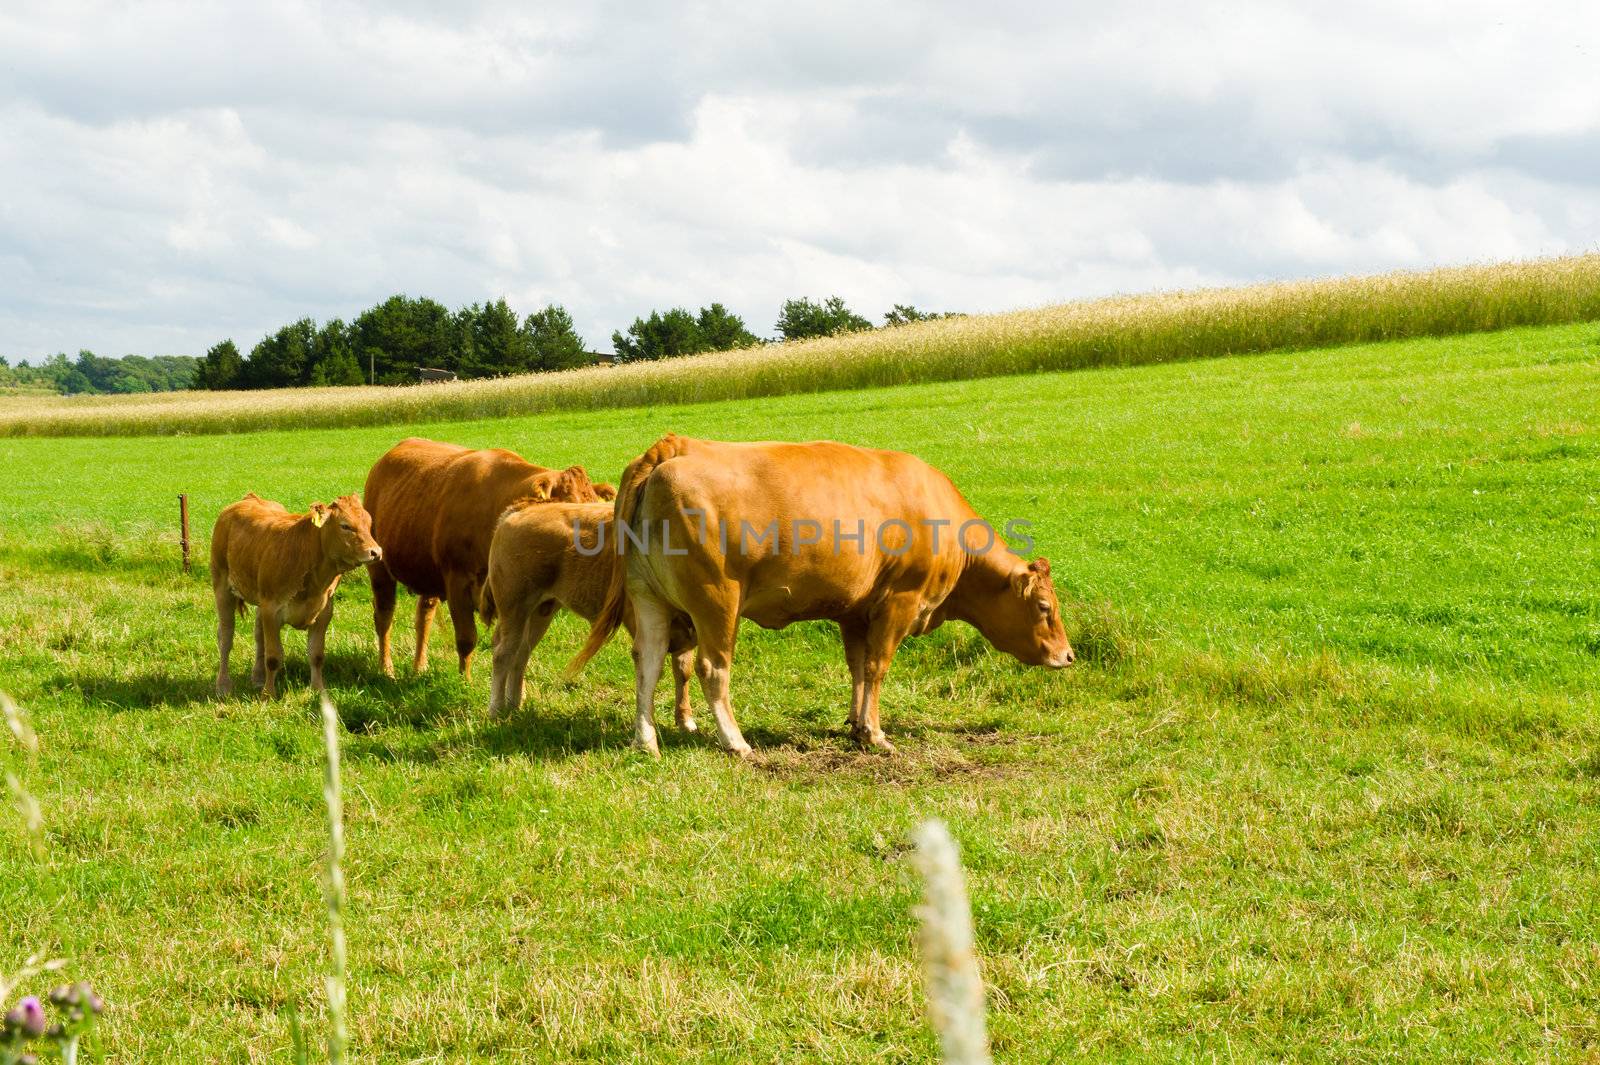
pixel 1325 783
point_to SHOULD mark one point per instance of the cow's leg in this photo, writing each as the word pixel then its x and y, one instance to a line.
pixel 462 599
pixel 889 625
pixel 682 650
pixel 258 671
pixel 227 604
pixel 426 605
pixel 853 631
pixel 500 642
pixel 384 591
pixel 651 632
pixel 316 642
pixel 271 638
pixel 515 638
pixel 716 628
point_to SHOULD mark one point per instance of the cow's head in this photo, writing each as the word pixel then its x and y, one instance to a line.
pixel 606 492
pixel 345 529
pixel 572 485
pixel 1026 621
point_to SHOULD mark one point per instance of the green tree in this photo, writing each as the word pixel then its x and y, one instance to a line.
pixel 905 314
pixel 661 336
pixel 722 330
pixel 802 319
pixel 677 332
pixel 334 359
pixel 552 341
pixel 495 343
pixel 283 359
pixel 221 368
pixel 401 334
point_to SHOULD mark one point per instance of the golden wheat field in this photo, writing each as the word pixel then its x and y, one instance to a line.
pixel 1120 330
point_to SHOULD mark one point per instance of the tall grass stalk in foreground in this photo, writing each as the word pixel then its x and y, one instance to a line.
pixel 1116 331
pixel 25 738
pixel 333 895
pixel 333 890
pixel 955 990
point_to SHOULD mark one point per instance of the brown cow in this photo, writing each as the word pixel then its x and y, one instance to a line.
pixel 551 555
pixel 778 533
pixel 287 566
pixel 434 508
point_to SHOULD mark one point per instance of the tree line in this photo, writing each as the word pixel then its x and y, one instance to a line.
pixel 387 343
pixel 679 332
pixel 95 374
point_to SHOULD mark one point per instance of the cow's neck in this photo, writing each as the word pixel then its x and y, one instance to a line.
pixel 984 583
pixel 322 571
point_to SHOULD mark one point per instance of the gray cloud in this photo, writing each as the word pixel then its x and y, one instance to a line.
pixel 170 175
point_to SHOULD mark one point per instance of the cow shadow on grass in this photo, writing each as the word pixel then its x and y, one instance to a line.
pixel 152 687
pixel 556 721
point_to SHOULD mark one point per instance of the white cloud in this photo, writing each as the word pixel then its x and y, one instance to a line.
pixel 172 175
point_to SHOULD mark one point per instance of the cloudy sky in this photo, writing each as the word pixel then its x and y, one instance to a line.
pixel 174 174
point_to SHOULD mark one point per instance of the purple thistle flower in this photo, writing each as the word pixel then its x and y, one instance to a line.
pixel 27 1017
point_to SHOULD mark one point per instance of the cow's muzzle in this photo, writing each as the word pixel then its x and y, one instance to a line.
pixel 374 554
pixel 1061 659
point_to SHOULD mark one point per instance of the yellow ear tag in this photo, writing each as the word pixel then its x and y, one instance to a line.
pixel 319 515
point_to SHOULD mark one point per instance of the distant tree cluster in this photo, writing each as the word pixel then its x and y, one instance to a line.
pixel 387 344
pixel 666 334
pixel 94 374
pixel 677 332
pixel 803 319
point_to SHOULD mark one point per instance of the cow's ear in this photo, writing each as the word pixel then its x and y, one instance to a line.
pixel 1023 581
pixel 319 514
pixel 541 491
pixel 1041 566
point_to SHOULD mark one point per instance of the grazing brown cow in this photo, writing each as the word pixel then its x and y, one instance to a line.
pixel 551 555
pixel 287 566
pixel 878 541
pixel 434 508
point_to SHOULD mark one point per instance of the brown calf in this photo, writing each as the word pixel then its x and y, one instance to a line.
pixel 287 566
pixel 551 555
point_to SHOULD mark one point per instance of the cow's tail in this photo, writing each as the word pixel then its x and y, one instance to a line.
pixel 219 561
pixel 486 603
pixel 628 491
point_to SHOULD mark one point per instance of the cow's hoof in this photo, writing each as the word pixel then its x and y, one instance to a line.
pixel 225 690
pixel 872 741
pixel 688 724
pixel 652 749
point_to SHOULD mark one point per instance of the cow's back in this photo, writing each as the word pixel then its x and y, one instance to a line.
pixel 434 507
pixel 534 553
pixel 762 489
pixel 256 550
pixel 404 492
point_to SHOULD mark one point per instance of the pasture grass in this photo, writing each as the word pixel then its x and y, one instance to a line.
pixel 1323 784
pixel 1117 331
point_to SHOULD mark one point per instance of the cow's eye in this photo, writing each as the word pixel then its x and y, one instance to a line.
pixel 1044 607
pixel 347 527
